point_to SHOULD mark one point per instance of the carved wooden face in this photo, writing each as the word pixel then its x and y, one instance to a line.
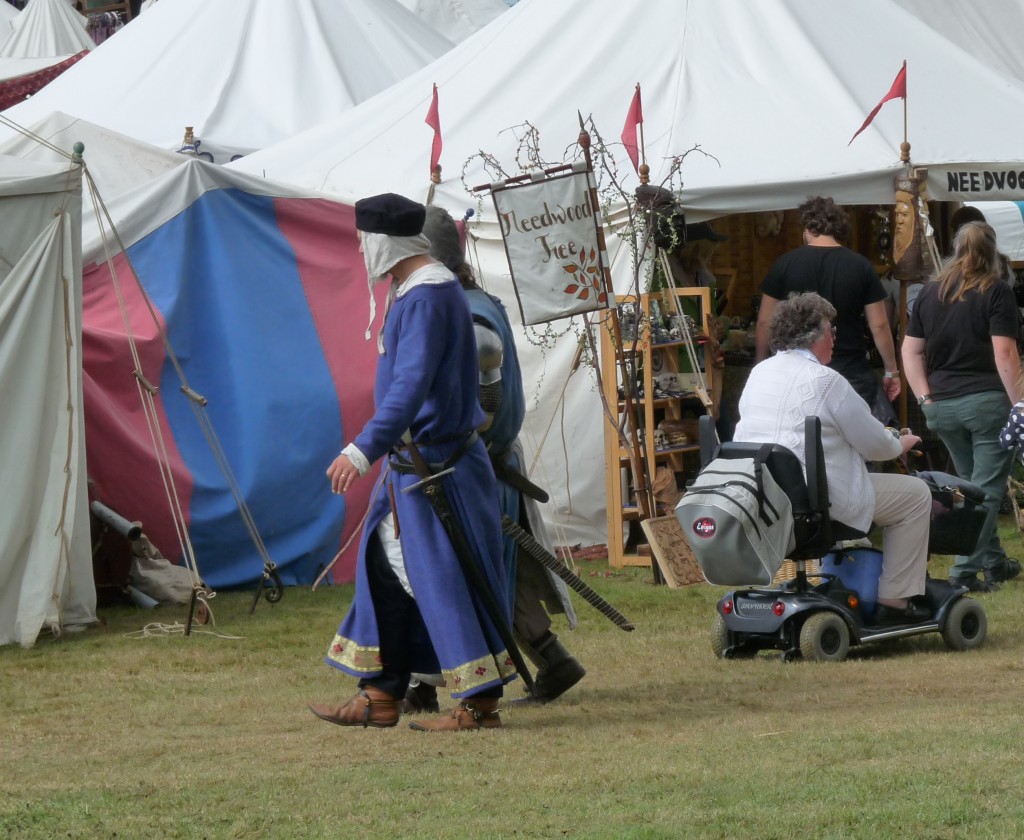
pixel 904 229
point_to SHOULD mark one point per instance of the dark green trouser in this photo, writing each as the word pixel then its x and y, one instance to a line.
pixel 969 427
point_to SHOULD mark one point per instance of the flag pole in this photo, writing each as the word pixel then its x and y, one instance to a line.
pixel 644 169
pixel 905 140
pixel 905 145
pixel 433 119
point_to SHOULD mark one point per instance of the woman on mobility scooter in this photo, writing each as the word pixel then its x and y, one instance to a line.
pixel 795 383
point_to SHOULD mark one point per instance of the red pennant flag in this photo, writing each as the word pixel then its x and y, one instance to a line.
pixel 434 121
pixel 897 91
pixel 634 118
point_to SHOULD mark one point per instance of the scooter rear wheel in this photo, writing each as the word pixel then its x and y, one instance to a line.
pixel 720 642
pixel 966 625
pixel 824 637
pixel 719 636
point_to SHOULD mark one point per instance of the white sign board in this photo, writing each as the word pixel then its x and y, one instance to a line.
pixel 976 182
pixel 552 234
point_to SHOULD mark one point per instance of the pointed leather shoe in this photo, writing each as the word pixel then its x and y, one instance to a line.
pixel 369 707
pixel 469 716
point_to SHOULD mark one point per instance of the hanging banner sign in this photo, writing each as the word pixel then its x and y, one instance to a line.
pixel 976 182
pixel 551 228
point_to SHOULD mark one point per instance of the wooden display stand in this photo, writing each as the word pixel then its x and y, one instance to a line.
pixel 644 356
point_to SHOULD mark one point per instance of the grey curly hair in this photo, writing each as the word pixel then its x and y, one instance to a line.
pixel 799 321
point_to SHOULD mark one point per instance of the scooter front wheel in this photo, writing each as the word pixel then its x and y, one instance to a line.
pixel 824 637
pixel 966 625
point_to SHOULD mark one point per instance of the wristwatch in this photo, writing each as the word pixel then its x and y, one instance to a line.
pixel 923 399
pixel 891 374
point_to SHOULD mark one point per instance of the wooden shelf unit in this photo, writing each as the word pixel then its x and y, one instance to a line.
pixel 623 510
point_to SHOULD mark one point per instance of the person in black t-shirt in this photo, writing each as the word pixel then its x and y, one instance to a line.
pixel 960 357
pixel 848 281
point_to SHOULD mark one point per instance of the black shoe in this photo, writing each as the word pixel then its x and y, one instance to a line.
pixel 974 584
pixel 553 682
pixel 420 697
pixel 910 614
pixel 1007 570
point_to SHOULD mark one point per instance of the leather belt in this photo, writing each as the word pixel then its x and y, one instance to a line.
pixel 404 466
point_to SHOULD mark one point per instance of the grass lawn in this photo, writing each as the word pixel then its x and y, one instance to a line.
pixel 115 734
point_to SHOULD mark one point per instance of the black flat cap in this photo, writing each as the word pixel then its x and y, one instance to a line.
pixel 658 198
pixel 391 214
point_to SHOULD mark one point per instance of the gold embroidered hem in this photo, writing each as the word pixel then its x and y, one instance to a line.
pixel 365 660
pixel 479 672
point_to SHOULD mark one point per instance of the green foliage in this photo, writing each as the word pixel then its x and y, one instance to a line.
pixel 107 735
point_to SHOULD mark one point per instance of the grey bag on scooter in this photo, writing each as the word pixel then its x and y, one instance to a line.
pixel 738 521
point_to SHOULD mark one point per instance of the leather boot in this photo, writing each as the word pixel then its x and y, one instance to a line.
pixel 471 714
pixel 557 669
pixel 369 707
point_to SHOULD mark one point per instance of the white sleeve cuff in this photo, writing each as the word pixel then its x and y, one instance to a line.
pixel 357 458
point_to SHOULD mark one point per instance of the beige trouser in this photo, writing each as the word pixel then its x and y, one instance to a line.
pixel 903 507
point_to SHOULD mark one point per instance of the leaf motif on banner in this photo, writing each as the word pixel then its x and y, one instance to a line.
pixel 591 272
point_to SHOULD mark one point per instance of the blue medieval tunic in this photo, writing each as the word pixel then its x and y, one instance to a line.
pixel 427 382
pixel 501 435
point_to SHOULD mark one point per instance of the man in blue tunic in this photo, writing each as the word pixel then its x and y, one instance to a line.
pixel 413 609
pixel 536 591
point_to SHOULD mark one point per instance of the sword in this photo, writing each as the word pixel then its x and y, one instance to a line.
pixel 486 600
pixel 515 479
pixel 538 552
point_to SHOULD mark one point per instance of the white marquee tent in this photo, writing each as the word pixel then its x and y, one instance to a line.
pixel 770 92
pixel 46 33
pixel 731 77
pixel 991 32
pixel 46 578
pixel 988 31
pixel 46 28
pixel 456 19
pixel 222 68
pixel 7 14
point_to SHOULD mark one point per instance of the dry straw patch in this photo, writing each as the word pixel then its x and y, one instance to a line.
pixel 109 736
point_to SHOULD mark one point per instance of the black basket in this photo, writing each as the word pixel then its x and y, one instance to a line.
pixel 958 514
pixel 957 531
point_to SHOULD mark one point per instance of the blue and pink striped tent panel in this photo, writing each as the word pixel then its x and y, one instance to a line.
pixel 264 303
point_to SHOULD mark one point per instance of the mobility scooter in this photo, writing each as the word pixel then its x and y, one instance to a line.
pixel 819 615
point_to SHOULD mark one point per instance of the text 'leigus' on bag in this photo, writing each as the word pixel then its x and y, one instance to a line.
pixel 738 521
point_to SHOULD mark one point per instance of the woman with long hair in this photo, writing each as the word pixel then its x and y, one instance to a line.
pixel 960 359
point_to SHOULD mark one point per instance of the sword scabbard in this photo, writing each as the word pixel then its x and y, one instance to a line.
pixel 485 601
pixel 552 563
pixel 394 508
